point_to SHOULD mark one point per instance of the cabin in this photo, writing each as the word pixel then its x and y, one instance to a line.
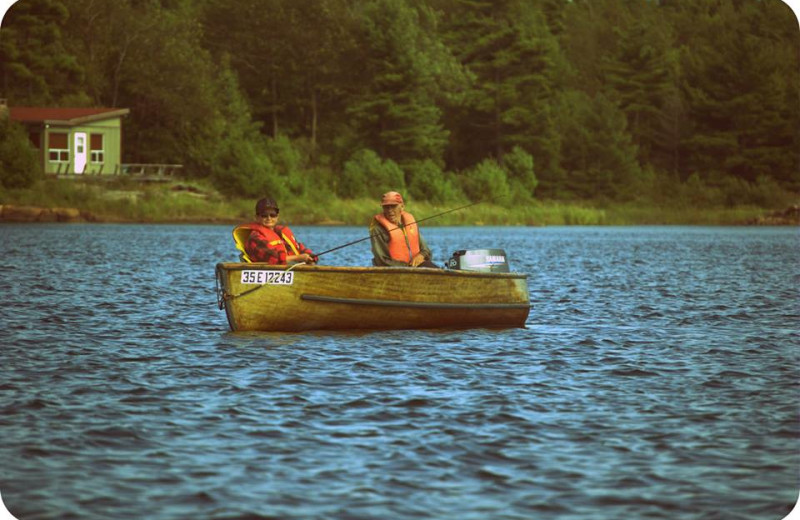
pixel 74 141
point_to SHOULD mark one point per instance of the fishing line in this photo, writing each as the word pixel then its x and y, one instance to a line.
pixel 222 295
pixel 404 225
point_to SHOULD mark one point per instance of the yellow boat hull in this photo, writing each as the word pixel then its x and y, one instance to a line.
pixel 265 297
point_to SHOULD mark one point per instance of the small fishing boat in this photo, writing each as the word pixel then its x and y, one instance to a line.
pixel 263 297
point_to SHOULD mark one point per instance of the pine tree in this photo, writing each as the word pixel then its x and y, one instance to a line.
pixel 639 76
pixel 741 87
pixel 599 158
pixel 403 69
pixel 35 66
pixel 510 52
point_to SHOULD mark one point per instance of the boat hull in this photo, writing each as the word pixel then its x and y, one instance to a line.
pixel 330 298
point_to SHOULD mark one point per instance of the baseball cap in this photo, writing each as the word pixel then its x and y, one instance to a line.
pixel 264 204
pixel 391 197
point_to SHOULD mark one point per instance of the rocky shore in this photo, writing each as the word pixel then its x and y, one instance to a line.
pixel 11 213
pixel 787 217
pixel 33 214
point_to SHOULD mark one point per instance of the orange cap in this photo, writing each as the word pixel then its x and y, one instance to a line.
pixel 391 197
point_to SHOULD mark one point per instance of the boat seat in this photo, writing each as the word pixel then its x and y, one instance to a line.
pixel 240 236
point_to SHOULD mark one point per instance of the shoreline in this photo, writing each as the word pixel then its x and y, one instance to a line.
pixel 29 214
pixel 195 202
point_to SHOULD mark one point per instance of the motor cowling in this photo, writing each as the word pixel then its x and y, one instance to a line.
pixel 481 260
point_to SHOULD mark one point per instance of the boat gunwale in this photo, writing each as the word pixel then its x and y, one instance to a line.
pixel 414 304
pixel 240 266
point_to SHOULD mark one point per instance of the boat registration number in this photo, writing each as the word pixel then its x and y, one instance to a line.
pixel 268 277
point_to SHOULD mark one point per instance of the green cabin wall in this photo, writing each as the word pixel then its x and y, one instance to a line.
pixel 111 129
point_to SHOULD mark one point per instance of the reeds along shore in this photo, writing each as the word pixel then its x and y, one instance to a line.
pixel 553 214
pixel 195 203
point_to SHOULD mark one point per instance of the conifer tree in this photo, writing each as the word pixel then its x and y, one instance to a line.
pixel 403 70
pixel 741 86
pixel 35 66
pixel 599 158
pixel 510 52
pixel 640 78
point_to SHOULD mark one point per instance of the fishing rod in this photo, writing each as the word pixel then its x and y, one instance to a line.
pixel 404 225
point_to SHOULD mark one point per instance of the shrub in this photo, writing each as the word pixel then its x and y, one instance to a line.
pixel 428 182
pixel 289 163
pixel 243 169
pixel 718 191
pixel 519 166
pixel 765 193
pixel 486 181
pixel 522 180
pixel 366 175
pixel 19 164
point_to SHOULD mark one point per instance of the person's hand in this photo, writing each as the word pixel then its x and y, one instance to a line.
pixel 306 258
pixel 418 259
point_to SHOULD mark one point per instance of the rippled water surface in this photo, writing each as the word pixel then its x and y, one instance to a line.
pixel 657 377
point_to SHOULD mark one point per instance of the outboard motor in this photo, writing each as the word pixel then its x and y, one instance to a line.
pixel 482 260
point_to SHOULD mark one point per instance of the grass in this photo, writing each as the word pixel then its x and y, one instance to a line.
pixel 197 201
pixel 681 215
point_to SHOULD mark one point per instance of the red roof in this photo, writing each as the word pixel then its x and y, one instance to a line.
pixel 66 115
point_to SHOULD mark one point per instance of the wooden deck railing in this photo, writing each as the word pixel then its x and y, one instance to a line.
pixel 148 170
pixel 136 171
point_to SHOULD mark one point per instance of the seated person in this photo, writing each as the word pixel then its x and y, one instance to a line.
pixel 266 241
pixel 395 237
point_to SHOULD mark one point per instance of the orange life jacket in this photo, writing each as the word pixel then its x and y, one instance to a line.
pixel 288 238
pixel 403 241
pixel 241 235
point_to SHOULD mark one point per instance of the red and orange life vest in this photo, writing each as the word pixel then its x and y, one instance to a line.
pixel 259 243
pixel 403 241
pixel 295 246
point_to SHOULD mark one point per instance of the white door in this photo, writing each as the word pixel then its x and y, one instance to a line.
pixel 80 152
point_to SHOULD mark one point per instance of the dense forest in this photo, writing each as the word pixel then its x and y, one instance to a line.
pixel 604 100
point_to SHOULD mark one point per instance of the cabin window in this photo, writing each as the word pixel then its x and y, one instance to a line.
pixel 58 150
pixel 96 148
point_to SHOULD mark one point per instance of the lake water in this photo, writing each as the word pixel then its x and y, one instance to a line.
pixel 657 377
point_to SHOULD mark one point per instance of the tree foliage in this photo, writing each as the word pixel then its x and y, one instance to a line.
pixel 19 161
pixel 487 181
pixel 394 108
pixel 429 182
pixel 602 158
pixel 449 99
pixel 512 56
pixel 35 65
pixel 367 175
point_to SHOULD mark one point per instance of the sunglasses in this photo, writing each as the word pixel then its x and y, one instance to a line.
pixel 270 214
